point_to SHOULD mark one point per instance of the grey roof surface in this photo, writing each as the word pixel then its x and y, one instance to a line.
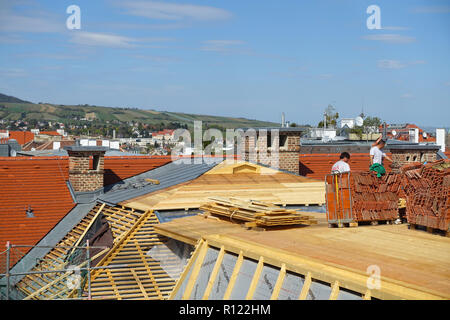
pixel 86 148
pixel 171 174
pixel 441 155
pixel 169 215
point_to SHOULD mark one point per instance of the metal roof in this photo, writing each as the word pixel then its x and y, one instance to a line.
pixel 86 148
pixel 168 175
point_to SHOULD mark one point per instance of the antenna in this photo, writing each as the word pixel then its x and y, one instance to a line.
pixel 362 115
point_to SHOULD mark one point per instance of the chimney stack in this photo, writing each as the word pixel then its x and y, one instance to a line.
pixel 86 174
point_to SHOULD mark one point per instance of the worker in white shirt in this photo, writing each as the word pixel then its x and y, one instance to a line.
pixel 376 157
pixel 342 165
pixel 376 154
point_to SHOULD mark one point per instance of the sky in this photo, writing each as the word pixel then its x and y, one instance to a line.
pixel 241 58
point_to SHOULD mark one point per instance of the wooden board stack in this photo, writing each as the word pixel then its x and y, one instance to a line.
pixel 257 213
pixel 427 189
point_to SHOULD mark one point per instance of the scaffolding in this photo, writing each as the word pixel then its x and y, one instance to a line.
pixel 76 272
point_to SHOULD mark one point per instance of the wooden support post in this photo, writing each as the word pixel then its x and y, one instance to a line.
pixel 188 266
pixel 334 290
pixel 113 284
pixel 234 275
pixel 87 229
pixel 367 295
pixel 147 267
pixel 138 281
pixel 7 276
pixel 195 271
pixel 279 283
pixel 214 274
pixel 255 279
pixel 306 286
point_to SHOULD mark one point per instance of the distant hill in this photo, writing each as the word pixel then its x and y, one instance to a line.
pixel 5 98
pixel 15 109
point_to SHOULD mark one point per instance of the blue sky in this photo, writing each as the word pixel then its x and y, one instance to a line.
pixel 245 58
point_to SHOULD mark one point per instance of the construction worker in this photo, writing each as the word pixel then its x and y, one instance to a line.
pixel 376 157
pixel 342 165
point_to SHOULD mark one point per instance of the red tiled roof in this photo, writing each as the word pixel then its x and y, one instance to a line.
pixel 163 132
pixel 317 165
pixel 119 168
pixel 50 133
pixel 36 182
pixel 22 137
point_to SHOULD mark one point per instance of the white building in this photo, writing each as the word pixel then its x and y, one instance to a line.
pixel 349 122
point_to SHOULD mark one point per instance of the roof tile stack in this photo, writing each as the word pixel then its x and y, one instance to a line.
pixel 427 189
pixel 374 198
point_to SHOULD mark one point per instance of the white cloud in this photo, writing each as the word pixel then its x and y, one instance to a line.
pixel 220 45
pixel 390 64
pixel 102 39
pixel 13 73
pixel 394 28
pixel 174 11
pixel 112 40
pixel 36 21
pixel 396 64
pixel 326 76
pixel 432 9
pixel 390 38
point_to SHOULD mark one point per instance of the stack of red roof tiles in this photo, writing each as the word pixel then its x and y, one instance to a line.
pixel 374 198
pixel 427 189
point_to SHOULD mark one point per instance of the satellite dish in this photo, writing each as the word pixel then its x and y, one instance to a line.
pixel 424 134
pixel 359 121
pixel 394 133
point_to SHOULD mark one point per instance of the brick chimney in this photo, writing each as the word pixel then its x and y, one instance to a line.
pixel 408 153
pixel 288 151
pixel 84 174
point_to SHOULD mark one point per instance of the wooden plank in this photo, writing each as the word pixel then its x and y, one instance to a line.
pixel 63 276
pixel 138 281
pixel 234 275
pixel 214 273
pixel 186 269
pixel 255 279
pixel 279 283
pixel 113 284
pixel 306 285
pixel 334 290
pixel 147 267
pixel 87 228
pixel 195 271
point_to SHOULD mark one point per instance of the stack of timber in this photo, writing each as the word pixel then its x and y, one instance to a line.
pixel 427 189
pixel 257 213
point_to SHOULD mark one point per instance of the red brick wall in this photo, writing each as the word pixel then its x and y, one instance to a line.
pixel 81 175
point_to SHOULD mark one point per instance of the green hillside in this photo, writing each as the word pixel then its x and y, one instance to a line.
pixel 15 109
